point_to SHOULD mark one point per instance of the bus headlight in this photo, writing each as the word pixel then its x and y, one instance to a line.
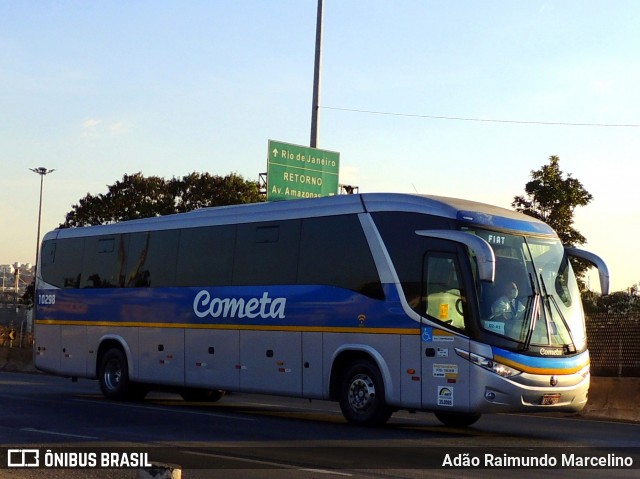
pixel 489 364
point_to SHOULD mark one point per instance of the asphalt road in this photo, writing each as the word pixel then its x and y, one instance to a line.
pixel 272 437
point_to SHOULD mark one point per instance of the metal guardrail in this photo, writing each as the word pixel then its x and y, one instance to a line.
pixel 614 344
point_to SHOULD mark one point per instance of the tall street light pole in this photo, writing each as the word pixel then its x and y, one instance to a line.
pixel 42 171
pixel 313 143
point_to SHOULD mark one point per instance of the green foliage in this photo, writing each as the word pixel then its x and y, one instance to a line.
pixel 137 196
pixel 202 190
pixel 553 198
pixel 621 302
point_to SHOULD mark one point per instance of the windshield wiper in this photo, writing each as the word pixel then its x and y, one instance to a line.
pixel 570 347
pixel 534 305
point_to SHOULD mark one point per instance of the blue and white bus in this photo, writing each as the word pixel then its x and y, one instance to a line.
pixel 380 301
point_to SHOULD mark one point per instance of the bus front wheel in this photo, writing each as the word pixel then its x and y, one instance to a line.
pixel 362 395
pixel 114 377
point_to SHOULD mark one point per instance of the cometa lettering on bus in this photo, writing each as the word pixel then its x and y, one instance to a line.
pixel 265 308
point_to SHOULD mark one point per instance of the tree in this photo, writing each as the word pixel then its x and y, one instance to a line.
pixel 203 190
pixel 553 198
pixel 137 196
pixel 619 302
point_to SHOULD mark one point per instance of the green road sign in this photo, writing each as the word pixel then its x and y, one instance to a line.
pixel 296 171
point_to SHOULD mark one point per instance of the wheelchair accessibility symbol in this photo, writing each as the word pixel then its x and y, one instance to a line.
pixel 427 334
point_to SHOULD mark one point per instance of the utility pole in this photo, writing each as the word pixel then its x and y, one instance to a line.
pixel 42 171
pixel 313 143
pixel 16 275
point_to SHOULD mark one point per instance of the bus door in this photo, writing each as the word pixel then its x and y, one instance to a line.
pixel 445 375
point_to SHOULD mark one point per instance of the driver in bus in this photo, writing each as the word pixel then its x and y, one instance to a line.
pixel 507 306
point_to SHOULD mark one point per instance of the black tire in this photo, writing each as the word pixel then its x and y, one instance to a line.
pixel 362 398
pixel 455 419
pixel 200 395
pixel 114 380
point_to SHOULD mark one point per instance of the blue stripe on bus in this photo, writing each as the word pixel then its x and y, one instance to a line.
pixel 281 305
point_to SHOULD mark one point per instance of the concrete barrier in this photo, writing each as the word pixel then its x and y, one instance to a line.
pixel 16 359
pixel 613 398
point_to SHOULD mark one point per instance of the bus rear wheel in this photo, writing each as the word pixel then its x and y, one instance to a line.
pixel 454 419
pixel 114 380
pixel 362 395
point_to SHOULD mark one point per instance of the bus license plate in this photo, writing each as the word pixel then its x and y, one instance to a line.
pixel 550 399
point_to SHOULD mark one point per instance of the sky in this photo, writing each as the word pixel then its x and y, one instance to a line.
pixel 461 99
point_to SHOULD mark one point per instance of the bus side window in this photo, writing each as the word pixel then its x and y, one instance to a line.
pixel 266 253
pixel 442 289
pixel 61 262
pixel 47 262
pixel 151 259
pixel 334 251
pixel 103 261
pixel 205 256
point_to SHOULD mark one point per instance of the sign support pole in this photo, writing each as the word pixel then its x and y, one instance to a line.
pixel 313 143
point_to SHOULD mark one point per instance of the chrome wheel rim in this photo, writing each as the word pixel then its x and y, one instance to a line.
pixel 362 393
pixel 112 375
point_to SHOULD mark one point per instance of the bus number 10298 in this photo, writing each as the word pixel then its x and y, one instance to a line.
pixel 47 299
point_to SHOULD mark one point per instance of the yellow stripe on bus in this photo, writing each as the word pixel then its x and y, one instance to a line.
pixel 534 370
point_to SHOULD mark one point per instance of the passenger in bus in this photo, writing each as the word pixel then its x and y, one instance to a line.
pixel 507 307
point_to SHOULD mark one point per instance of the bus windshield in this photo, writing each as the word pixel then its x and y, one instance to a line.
pixel 535 298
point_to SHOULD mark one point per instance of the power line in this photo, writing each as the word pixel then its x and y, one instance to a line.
pixel 486 120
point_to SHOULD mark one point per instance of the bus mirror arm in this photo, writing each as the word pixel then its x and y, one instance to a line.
pixel 594 260
pixel 483 251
